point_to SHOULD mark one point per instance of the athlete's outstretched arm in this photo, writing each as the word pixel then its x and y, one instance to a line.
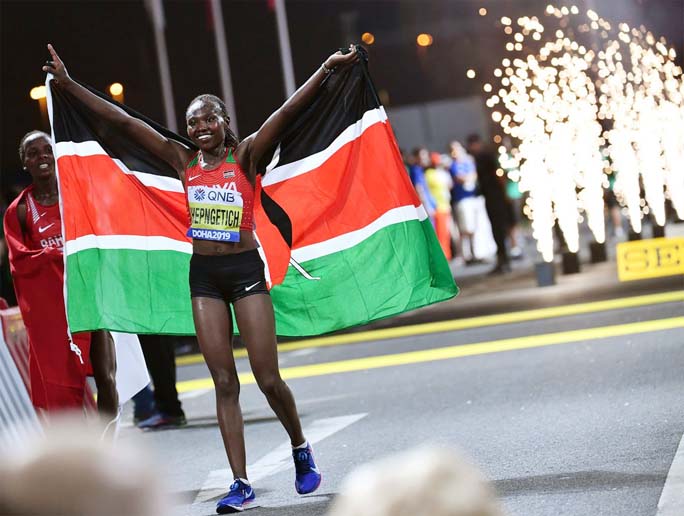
pixel 173 153
pixel 269 133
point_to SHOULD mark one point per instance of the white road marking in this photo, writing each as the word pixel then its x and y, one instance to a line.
pixel 284 358
pixel 302 352
pixel 277 460
pixel 671 501
pixel 193 394
pixel 322 399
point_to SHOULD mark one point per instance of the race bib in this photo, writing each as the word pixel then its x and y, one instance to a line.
pixel 215 213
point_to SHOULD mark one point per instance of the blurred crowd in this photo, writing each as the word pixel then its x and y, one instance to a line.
pixel 470 200
pixel 69 469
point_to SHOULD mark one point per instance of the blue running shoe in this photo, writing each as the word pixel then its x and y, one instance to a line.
pixel 307 478
pixel 239 496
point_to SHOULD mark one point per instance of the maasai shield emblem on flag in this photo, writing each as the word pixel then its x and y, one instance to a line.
pixel 343 235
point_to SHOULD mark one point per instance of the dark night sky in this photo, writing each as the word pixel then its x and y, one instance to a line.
pixel 106 41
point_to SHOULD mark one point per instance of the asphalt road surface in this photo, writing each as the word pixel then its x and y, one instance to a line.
pixel 574 411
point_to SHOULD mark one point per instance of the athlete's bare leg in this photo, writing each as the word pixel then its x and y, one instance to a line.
pixel 256 320
pixel 103 360
pixel 214 332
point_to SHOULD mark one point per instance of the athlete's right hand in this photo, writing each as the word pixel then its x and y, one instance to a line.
pixel 56 67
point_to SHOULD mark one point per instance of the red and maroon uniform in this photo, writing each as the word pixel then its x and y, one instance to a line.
pixel 57 373
pixel 43 225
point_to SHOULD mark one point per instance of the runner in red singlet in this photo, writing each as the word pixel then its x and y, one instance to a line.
pixel 57 372
pixel 225 269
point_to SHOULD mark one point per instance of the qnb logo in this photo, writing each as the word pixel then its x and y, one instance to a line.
pixel 199 194
pixel 221 195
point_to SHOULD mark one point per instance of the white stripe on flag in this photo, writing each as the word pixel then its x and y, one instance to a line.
pixel 93 148
pixel 348 240
pixel 304 165
pixel 136 242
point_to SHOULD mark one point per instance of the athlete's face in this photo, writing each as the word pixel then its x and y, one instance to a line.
pixel 38 158
pixel 206 125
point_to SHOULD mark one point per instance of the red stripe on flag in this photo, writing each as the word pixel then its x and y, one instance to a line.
pixel 99 199
pixel 355 186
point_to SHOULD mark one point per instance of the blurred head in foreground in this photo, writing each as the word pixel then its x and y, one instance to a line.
pixel 71 471
pixel 425 481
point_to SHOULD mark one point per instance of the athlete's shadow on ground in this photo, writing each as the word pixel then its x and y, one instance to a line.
pixel 211 422
pixel 318 507
pixel 576 481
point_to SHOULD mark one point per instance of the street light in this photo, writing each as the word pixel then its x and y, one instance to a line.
pixel 368 38
pixel 37 93
pixel 424 40
pixel 116 90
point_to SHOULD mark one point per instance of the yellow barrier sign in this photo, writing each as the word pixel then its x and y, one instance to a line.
pixel 642 259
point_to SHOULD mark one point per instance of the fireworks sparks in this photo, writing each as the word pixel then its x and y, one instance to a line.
pixel 592 100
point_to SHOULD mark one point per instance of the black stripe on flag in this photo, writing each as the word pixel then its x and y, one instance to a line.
pixel 73 121
pixel 345 96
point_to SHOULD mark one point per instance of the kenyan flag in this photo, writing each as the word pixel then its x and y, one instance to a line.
pixel 343 235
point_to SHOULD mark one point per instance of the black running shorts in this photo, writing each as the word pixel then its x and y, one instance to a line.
pixel 228 277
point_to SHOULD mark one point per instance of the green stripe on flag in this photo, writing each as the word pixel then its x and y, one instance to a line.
pixel 399 268
pixel 130 291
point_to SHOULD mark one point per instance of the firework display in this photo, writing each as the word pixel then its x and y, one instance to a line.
pixel 583 100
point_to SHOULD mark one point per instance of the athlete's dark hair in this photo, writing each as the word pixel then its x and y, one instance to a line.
pixel 22 142
pixel 231 139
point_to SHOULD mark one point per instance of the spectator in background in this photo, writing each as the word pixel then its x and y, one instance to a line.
pixel 439 184
pixel 515 197
pixel 144 406
pixel 420 160
pixel 492 188
pixel 464 198
pixel 426 481
pixel 613 207
pixel 160 357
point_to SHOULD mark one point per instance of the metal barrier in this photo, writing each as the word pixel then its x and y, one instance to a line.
pixel 17 416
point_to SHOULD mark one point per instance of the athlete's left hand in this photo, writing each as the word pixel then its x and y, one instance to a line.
pixel 340 59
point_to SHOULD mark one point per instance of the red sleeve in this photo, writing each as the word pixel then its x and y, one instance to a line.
pixel 24 260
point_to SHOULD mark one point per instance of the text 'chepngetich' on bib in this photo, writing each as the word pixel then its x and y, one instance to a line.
pixel 215 212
